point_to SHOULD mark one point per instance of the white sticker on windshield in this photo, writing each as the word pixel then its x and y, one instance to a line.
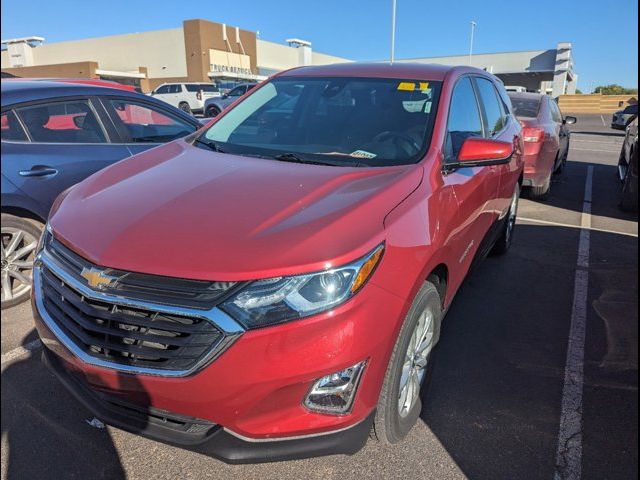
pixel 362 154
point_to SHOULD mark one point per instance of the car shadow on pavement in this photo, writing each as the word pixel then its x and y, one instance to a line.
pixel 496 386
pixel 47 431
pixel 567 191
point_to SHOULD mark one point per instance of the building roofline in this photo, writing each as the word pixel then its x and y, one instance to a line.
pixel 476 54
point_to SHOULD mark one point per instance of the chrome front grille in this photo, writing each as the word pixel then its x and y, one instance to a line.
pixel 124 333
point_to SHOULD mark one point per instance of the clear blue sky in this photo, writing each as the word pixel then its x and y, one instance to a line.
pixel 604 33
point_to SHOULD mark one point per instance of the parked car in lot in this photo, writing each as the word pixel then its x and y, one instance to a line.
pixel 55 134
pixel 213 106
pixel 274 286
pixel 622 118
pixel 628 168
pixel 188 97
pixel 546 139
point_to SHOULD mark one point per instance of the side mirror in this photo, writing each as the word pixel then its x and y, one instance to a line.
pixel 570 120
pixel 480 152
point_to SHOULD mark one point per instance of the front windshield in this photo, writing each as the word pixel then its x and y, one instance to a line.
pixel 341 121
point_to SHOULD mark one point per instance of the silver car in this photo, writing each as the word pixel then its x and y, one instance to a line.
pixel 621 119
pixel 213 106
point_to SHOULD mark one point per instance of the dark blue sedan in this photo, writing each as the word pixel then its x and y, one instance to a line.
pixel 55 134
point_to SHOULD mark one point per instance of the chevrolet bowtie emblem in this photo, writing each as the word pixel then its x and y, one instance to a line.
pixel 97 278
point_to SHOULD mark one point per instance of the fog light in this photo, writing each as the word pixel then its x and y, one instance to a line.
pixel 334 393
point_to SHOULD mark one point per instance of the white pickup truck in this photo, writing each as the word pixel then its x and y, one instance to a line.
pixel 187 96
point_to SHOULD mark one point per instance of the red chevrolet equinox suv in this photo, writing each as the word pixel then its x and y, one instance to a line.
pixel 273 286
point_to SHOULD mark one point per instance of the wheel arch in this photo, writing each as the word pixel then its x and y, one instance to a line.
pixel 439 276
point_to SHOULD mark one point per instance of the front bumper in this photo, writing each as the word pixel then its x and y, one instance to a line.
pixel 202 436
pixel 255 390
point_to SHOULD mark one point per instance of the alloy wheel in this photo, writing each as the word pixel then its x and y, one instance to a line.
pixel 415 363
pixel 18 252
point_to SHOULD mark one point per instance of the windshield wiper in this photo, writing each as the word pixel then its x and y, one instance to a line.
pixel 210 144
pixel 295 158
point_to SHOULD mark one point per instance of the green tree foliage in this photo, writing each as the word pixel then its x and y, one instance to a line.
pixel 614 89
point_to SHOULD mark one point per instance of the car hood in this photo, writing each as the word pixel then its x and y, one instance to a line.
pixel 182 211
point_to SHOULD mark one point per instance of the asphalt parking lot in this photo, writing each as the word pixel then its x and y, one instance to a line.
pixel 498 394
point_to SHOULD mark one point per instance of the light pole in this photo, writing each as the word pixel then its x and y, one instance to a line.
pixel 393 29
pixel 473 29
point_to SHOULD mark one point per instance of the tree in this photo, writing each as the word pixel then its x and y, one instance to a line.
pixel 578 91
pixel 614 89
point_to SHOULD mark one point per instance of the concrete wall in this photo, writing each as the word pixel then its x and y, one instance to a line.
pixel 594 103
pixel 125 53
pixel 274 57
pixel 66 70
pixel 509 62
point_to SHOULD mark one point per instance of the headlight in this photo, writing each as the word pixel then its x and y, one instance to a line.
pixel 277 300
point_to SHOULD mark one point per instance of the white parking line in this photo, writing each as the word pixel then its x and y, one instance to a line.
pixel 594 150
pixel 603 122
pixel 568 225
pixel 19 352
pixel 569 452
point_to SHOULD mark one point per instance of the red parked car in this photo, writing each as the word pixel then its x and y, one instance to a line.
pixel 546 139
pixel 273 286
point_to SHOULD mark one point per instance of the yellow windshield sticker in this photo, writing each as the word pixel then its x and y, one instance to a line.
pixel 407 86
pixel 424 86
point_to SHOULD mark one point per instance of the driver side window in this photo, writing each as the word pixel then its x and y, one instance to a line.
pixel 464 118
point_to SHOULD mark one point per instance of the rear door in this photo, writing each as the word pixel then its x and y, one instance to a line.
pixel 495 128
pixel 142 125
pixel 66 141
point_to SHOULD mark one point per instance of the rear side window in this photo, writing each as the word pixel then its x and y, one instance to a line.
pixel 526 107
pixel 62 122
pixel 493 108
pixel 464 118
pixel 142 123
pixel 201 87
pixel 11 128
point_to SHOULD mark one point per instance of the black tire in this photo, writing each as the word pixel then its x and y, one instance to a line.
pixel 505 240
pixel 31 228
pixel 541 192
pixel 563 163
pixel 389 426
pixel 212 111
pixel 184 106
pixel 629 197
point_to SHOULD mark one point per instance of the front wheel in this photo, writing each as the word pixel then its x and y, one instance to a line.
pixel 184 106
pixel 400 404
pixel 212 111
pixel 19 241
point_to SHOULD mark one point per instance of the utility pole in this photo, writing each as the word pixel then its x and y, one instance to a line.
pixel 473 30
pixel 393 30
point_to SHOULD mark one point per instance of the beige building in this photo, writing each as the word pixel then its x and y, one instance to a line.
pixel 200 50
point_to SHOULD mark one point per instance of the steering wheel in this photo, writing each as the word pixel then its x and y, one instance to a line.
pixel 400 140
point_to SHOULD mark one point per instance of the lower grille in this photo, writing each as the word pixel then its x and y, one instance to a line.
pixel 122 335
pixel 141 419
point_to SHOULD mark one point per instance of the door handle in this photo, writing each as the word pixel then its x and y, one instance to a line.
pixel 38 171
